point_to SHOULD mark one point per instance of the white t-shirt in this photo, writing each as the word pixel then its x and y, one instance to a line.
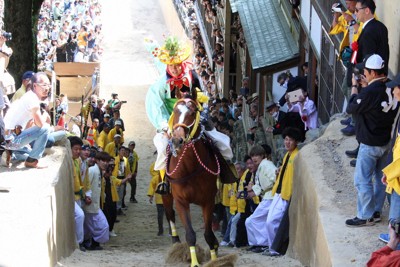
pixel 20 112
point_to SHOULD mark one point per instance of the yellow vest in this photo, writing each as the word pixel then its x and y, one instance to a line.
pixel 127 167
pixel 80 188
pixel 287 182
pixel 155 180
pixel 114 193
pixel 134 162
pixel 103 140
pixel 110 149
pixel 239 204
pixel 392 171
pixel 113 132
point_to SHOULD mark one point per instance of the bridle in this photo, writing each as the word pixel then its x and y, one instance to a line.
pixel 192 128
pixel 189 142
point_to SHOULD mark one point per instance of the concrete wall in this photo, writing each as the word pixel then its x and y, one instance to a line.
pixel 307 236
pixel 323 198
pixel 388 12
pixel 37 212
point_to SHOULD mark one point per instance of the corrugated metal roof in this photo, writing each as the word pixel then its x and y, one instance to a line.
pixel 267 33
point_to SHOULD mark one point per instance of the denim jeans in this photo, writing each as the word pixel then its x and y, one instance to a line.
pixel 394 212
pixel 21 154
pixel 39 135
pixel 367 180
pixel 54 137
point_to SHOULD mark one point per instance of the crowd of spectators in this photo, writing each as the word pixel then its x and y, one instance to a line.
pixel 104 165
pixel 69 31
pixel 250 129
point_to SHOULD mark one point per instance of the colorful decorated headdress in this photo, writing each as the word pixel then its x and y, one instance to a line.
pixel 172 52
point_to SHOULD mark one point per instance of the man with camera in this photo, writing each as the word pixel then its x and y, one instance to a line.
pixel 26 111
pixel 375 112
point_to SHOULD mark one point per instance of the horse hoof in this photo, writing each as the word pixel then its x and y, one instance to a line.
pixel 175 239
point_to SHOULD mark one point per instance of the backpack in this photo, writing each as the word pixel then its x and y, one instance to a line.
pixel 345 55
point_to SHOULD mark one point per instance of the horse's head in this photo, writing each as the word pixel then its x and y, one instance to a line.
pixel 185 121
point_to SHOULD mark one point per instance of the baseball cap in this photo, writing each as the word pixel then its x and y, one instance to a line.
pixel 106 115
pixel 373 62
pixel 132 143
pixel 114 94
pixel 117 135
pixel 395 82
pixel 27 75
pixel 118 122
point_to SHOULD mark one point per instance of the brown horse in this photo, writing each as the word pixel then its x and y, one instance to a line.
pixel 192 169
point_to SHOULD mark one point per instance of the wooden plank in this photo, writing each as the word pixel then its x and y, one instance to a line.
pixel 75 87
pixel 75 68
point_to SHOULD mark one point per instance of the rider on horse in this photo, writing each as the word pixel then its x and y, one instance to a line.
pixel 180 81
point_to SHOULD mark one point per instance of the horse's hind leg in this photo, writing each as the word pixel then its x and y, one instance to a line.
pixel 184 213
pixel 208 233
pixel 168 202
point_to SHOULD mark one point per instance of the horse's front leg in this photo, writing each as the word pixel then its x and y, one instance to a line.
pixel 184 213
pixel 208 233
pixel 168 202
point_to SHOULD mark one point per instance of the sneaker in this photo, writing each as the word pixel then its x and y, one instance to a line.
pixel 112 233
pixel 346 121
pixel 124 208
pixel 133 200
pixel 352 153
pixel 82 247
pixel 377 216
pixel 350 130
pixel 353 163
pixel 356 222
pixel 259 249
pixel 269 253
pixel 384 238
pixel 120 212
pixel 223 244
pixel 250 248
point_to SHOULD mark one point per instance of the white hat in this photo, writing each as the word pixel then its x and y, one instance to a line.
pixel 372 62
pixel 117 135
pixel 118 122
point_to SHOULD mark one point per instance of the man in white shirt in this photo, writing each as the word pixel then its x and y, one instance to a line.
pixel 26 111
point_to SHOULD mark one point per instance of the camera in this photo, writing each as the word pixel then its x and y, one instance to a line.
pixel 7 35
pixel 357 74
pixel 110 168
pixel 243 194
pixel 395 224
pixel 124 102
pixel 337 8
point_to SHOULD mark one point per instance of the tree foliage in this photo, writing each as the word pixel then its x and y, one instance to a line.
pixel 21 18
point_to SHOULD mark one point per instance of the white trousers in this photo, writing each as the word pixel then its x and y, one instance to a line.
pixel 256 224
pixel 221 140
pixel 96 227
pixel 276 212
pixel 79 220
